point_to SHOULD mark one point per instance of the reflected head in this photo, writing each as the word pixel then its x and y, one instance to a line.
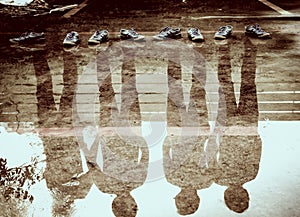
pixel 124 206
pixel 236 198
pixel 187 201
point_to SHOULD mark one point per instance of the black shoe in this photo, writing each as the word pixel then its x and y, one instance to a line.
pixel 71 39
pixel 256 31
pixel 29 37
pixel 168 33
pixel 99 37
pixel 194 34
pixel 224 32
pixel 130 34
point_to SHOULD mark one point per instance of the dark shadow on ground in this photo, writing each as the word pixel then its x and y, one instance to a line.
pixel 130 8
pixel 287 4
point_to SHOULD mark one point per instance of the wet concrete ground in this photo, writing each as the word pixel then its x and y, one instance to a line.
pixel 151 128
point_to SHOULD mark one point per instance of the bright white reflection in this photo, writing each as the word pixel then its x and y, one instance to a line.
pixel 274 192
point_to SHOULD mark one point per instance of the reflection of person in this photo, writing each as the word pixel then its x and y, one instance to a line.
pixel 239 155
pixel 182 154
pixel 124 154
pixel 62 153
pixel 44 93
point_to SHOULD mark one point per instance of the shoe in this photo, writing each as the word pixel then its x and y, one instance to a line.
pixel 168 33
pixel 194 34
pixel 99 37
pixel 29 37
pixel 256 31
pixel 224 32
pixel 72 38
pixel 130 34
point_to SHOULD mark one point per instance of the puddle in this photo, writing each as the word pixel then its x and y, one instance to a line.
pixel 149 129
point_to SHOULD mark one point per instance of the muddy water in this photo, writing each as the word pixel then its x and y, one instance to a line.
pixel 151 128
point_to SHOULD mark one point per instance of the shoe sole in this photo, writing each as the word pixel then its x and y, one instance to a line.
pixel 266 35
pixel 139 38
pixel 221 37
pixel 29 41
pixel 196 39
pixel 158 38
pixel 178 36
pixel 93 42
pixel 132 39
pixel 70 43
pixel 97 42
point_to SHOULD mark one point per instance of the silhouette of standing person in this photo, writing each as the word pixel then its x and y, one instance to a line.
pixel 124 154
pixel 240 144
pixel 44 92
pixel 182 154
pixel 63 173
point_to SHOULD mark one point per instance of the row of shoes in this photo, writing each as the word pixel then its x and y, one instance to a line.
pixel 100 36
pixel 194 34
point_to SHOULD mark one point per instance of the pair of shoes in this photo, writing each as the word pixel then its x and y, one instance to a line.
pixel 165 33
pixel 251 30
pixel 71 39
pixel 29 38
pixel 223 32
pixel 98 37
pixel 256 31
pixel 194 34
pixel 168 33
pixel 130 34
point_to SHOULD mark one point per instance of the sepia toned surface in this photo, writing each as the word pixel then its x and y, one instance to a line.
pixel 151 128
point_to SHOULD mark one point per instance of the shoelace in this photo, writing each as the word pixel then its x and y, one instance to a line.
pixel 133 32
pixel 222 29
pixel 25 34
pixel 258 28
pixel 167 28
pixel 194 31
pixel 100 33
pixel 70 35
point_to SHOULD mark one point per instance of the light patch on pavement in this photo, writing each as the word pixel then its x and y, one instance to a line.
pixel 275 7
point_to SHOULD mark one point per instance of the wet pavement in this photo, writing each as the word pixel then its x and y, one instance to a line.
pixel 152 128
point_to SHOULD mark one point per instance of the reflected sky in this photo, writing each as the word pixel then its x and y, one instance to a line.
pixel 148 129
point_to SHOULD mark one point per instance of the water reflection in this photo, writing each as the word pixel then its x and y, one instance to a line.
pixel 121 156
pixel 118 156
pixel 239 154
pixel 183 153
pixel 44 89
pixel 64 172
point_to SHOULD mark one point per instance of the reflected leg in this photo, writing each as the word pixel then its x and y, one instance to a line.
pixel 248 105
